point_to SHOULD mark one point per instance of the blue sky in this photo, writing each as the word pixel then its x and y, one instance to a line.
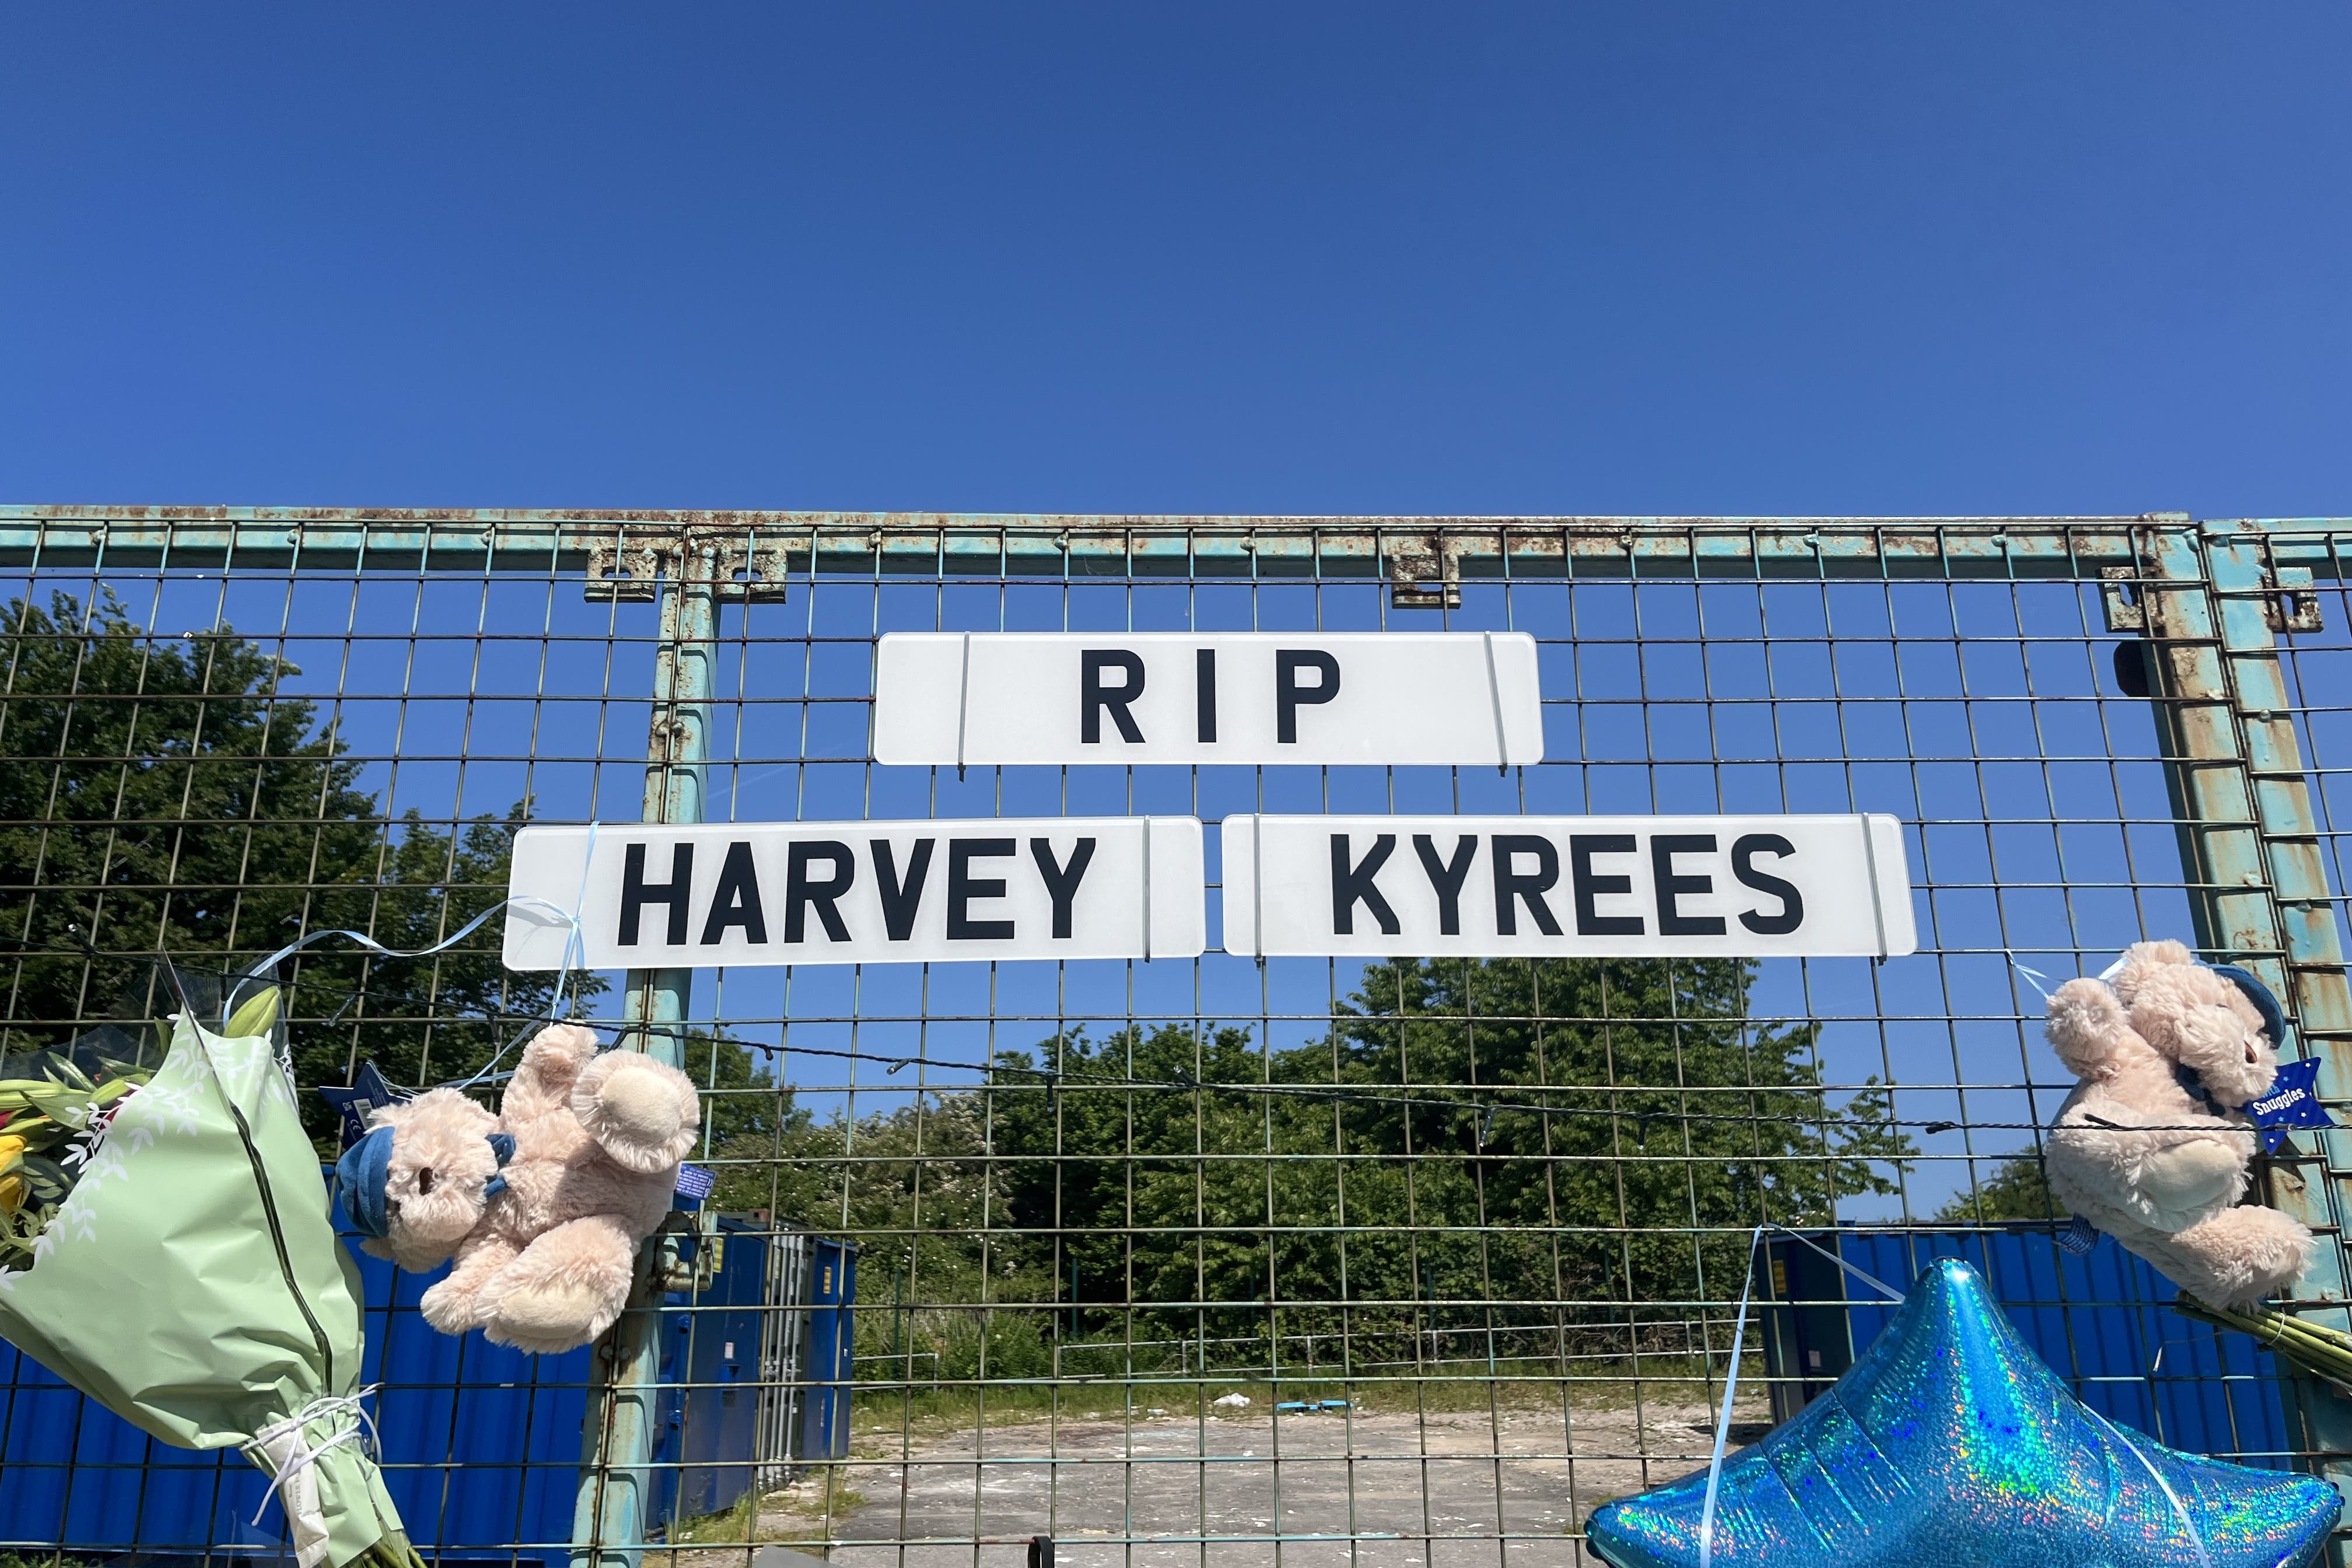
pixel 1655 259
pixel 1361 258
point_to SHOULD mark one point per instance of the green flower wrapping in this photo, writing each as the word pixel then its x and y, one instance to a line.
pixel 191 1281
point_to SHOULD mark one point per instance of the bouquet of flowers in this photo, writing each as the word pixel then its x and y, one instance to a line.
pixel 170 1255
pixel 52 1122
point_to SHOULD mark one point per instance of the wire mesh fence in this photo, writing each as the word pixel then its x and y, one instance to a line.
pixel 1219 1260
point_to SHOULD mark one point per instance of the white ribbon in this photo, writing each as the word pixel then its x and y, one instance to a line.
pixel 1731 1376
pixel 292 1465
pixel 2196 1539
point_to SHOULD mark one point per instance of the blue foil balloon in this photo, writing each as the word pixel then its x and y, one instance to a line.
pixel 1951 1445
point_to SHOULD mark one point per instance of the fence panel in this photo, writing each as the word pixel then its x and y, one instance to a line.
pixel 1467 1238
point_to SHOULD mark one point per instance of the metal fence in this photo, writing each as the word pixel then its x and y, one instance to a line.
pixel 1467 1238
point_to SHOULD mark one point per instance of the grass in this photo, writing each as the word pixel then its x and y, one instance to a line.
pixel 800 1513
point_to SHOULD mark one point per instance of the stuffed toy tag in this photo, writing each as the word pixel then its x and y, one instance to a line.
pixel 2292 1101
pixel 366 1093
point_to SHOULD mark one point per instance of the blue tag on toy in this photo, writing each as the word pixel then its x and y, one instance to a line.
pixel 366 1094
pixel 2292 1101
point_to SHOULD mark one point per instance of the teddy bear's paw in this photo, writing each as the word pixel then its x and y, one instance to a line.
pixel 2089 1029
pixel 2191 1177
pixel 559 1051
pixel 451 1308
pixel 2246 1255
pixel 551 1318
pixel 642 1112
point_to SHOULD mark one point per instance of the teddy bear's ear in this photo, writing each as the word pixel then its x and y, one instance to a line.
pixel 2140 958
pixel 2088 1028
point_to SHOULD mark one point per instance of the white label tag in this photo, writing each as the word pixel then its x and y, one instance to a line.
pixel 650 896
pixel 982 698
pixel 1687 886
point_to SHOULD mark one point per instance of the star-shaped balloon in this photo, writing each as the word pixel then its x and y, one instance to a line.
pixel 1950 1444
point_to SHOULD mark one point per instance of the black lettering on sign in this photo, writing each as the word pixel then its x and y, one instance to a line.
pixel 1204 693
pixel 1062 881
pixel 801 891
pixel 1353 884
pixel 1512 885
pixel 637 892
pixel 900 900
pixel 736 901
pixel 1590 921
pixel 1793 903
pixel 1446 876
pixel 1672 921
pixel 1289 696
pixel 1093 697
pixel 962 888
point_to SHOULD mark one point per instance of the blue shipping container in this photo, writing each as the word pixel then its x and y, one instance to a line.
pixel 2102 1321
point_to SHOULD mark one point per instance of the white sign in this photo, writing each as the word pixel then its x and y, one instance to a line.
pixel 1401 698
pixel 1688 887
pixel 654 896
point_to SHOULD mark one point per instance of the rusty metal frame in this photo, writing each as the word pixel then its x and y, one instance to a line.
pixel 2210 601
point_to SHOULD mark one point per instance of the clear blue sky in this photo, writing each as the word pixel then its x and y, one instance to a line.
pixel 1345 258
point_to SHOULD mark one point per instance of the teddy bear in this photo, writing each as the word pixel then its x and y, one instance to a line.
pixel 545 1229
pixel 2154 1146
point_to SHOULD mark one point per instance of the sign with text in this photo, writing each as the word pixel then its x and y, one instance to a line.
pixel 1688 887
pixel 1401 698
pixel 654 896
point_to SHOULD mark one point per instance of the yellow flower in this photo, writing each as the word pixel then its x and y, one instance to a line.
pixel 12 1194
pixel 10 1148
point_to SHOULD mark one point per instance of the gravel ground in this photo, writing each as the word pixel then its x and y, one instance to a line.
pixel 1448 1491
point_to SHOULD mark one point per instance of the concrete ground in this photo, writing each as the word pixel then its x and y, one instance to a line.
pixel 1238 1489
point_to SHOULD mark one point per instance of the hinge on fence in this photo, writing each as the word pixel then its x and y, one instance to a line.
pixel 631 570
pixel 1424 572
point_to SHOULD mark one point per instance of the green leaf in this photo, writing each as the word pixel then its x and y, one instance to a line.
pixel 66 1107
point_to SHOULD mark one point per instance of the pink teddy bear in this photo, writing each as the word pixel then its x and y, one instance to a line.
pixel 2153 1146
pixel 547 1244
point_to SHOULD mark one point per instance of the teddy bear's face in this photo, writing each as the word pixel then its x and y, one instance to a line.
pixel 2203 1021
pixel 441 1166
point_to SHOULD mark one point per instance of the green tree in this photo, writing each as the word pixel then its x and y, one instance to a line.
pixel 168 798
pixel 1505 1131
pixel 2016 1189
pixel 1613 1108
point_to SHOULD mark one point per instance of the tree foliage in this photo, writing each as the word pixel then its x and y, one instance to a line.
pixel 1532 1135
pixel 2016 1189
pixel 167 797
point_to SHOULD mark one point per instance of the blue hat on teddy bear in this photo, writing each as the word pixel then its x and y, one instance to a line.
pixel 2273 1015
pixel 2247 982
